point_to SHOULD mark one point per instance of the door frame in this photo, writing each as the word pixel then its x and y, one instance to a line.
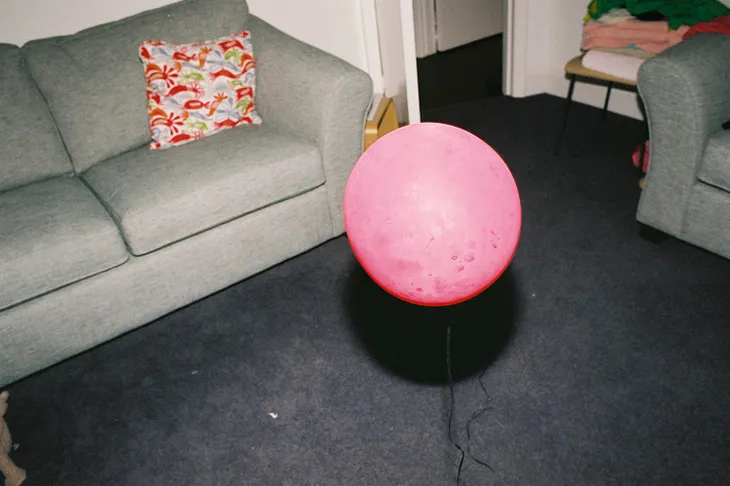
pixel 408 30
pixel 514 61
pixel 424 16
pixel 371 44
pixel 514 56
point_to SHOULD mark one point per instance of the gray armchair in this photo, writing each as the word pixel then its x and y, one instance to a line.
pixel 686 93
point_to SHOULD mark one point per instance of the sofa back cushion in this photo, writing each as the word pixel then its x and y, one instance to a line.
pixel 30 146
pixel 94 81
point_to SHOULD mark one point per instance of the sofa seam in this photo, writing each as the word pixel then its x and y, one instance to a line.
pixel 68 284
pixel 116 219
pixel 74 172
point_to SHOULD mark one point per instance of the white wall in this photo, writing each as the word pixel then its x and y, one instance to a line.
pixel 553 37
pixel 344 28
pixel 21 21
pixel 335 26
pixel 554 34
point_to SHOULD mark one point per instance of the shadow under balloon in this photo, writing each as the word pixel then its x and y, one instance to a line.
pixel 411 340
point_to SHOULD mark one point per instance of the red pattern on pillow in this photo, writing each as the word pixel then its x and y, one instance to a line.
pixel 197 89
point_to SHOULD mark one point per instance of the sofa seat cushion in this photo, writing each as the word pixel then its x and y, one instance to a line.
pixel 715 169
pixel 53 233
pixel 159 197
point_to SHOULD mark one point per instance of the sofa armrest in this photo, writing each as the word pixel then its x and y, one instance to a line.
pixel 315 96
pixel 686 93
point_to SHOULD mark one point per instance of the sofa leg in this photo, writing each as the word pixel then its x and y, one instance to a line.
pixel 652 235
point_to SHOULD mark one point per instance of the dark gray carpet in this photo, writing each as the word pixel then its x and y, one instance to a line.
pixel 605 357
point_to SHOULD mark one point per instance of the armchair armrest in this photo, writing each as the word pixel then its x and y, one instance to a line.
pixel 315 96
pixel 686 93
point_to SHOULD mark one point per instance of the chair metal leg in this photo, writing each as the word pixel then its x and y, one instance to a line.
pixel 608 97
pixel 568 102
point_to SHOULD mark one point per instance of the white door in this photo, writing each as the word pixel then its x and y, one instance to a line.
pixel 508 13
pixel 460 22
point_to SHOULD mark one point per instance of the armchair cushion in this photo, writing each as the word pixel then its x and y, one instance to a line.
pixel 159 197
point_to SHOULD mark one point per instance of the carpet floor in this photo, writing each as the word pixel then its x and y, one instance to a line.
pixel 604 357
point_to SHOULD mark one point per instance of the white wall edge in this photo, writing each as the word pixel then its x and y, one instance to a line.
pixel 507 53
pixel 518 31
pixel 409 56
pixel 371 45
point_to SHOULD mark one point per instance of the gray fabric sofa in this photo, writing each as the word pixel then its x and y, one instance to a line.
pixel 686 93
pixel 99 234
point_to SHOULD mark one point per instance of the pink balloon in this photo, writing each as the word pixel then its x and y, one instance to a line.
pixel 432 214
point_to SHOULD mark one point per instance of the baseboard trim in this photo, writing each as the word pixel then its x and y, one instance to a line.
pixel 622 101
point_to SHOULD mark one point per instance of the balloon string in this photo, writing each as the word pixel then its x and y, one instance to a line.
pixel 473 417
pixel 451 409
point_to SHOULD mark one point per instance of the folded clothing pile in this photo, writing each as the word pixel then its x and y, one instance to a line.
pixel 618 36
pixel 675 12
pixel 619 29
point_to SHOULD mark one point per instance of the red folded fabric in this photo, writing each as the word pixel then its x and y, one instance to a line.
pixel 642 164
pixel 720 25
pixel 652 37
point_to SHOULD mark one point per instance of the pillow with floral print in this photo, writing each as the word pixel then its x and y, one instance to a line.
pixel 197 89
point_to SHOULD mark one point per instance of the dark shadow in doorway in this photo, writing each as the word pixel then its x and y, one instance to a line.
pixel 465 73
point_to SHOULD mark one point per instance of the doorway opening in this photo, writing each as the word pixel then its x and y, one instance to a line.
pixel 459 50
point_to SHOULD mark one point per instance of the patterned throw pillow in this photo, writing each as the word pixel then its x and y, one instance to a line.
pixel 197 89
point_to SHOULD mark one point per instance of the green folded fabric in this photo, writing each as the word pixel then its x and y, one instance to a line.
pixel 678 12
